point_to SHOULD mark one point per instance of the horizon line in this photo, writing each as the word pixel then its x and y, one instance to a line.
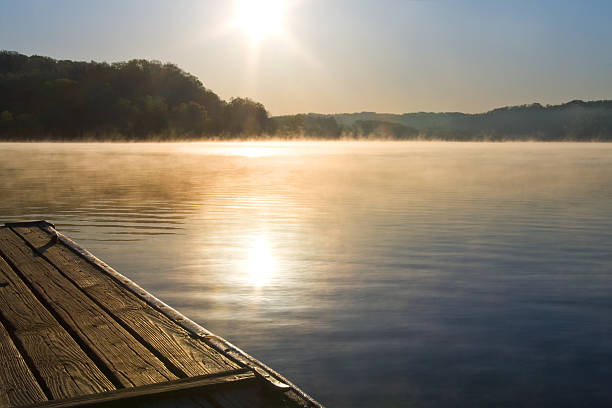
pixel 525 105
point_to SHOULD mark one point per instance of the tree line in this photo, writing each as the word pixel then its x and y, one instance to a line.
pixel 573 121
pixel 46 99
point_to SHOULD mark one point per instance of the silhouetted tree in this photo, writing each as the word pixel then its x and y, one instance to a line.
pixel 47 98
pixel 44 98
pixel 245 117
pixel 310 125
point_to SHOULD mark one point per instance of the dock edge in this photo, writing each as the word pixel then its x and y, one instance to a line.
pixel 220 344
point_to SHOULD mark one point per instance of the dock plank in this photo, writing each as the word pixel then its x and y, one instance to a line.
pixel 17 383
pixel 191 356
pixel 63 366
pixel 100 311
pixel 170 391
pixel 126 361
pixel 241 393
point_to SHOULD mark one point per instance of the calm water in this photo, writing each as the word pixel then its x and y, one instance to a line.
pixel 371 274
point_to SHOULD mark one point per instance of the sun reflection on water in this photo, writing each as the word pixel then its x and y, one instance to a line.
pixel 251 151
pixel 243 149
pixel 261 264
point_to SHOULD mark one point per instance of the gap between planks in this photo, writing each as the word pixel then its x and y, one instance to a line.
pixel 186 354
pixel 218 344
pixel 61 367
pixel 124 360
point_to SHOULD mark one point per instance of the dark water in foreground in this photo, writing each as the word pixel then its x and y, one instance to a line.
pixel 371 274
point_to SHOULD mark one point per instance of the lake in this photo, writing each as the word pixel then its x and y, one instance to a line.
pixel 371 274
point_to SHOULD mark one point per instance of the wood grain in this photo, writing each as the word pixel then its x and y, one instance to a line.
pixel 174 339
pixel 17 384
pixel 131 396
pixel 171 342
pixel 61 364
pixel 125 360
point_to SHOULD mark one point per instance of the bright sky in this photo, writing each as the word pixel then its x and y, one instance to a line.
pixel 341 55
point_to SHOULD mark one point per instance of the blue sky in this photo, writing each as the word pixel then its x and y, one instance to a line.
pixel 344 55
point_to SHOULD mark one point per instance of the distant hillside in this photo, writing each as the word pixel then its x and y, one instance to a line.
pixel 576 120
pixel 43 98
pixel 46 99
pixel 327 127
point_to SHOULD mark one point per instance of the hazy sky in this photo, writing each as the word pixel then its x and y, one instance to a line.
pixel 343 55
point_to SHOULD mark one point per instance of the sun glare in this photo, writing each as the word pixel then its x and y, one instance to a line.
pixel 260 18
pixel 251 151
pixel 261 263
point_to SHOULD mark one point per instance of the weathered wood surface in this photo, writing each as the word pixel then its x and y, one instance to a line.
pixel 170 342
pixel 241 394
pixel 246 394
pixel 59 361
pixel 128 362
pixel 204 384
pixel 17 384
pixel 74 332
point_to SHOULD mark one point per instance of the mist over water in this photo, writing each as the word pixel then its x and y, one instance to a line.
pixel 372 274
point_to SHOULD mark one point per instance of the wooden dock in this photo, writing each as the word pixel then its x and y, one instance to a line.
pixel 74 332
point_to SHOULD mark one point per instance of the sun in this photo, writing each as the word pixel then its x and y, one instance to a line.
pixel 260 18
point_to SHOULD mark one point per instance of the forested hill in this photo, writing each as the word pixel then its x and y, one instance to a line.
pixel 576 120
pixel 43 98
pixel 46 99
